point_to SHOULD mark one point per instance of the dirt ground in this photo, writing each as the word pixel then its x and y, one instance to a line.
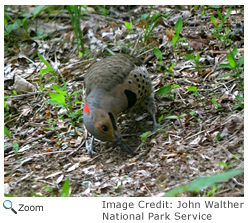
pixel 201 132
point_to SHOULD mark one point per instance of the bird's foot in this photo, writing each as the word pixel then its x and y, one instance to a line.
pixel 89 147
pixel 155 127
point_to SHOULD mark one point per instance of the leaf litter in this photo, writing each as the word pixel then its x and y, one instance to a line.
pixel 199 129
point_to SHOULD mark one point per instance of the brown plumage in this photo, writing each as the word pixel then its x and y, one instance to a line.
pixel 114 85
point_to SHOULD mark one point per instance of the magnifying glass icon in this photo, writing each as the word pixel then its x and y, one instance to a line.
pixel 8 205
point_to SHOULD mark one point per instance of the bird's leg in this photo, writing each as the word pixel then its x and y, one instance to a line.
pixel 154 128
pixel 155 124
pixel 89 146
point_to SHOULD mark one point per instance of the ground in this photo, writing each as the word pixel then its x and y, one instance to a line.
pixel 200 107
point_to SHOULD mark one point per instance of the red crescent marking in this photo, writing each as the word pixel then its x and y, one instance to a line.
pixel 86 108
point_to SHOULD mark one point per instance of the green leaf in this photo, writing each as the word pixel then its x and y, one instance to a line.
pixel 213 100
pixel 156 16
pixel 172 117
pixel 128 25
pixel 234 52
pixel 171 67
pixel 77 102
pixel 76 93
pixel 174 86
pixel 178 26
pixel 36 195
pixel 219 14
pixel 192 88
pixel 192 113
pixel 158 53
pixel 6 132
pixel 208 181
pixel 145 135
pixel 227 14
pixel 225 66
pixel 75 113
pixel 213 19
pixel 53 102
pixel 164 90
pixel 204 182
pixel 143 17
pixel 65 189
pixel 59 98
pixel 240 98
pixel 38 9
pixel 231 61
pixel 16 147
pixel 160 118
pixel 24 23
pixel 240 61
pixel 44 61
pixel 8 28
pixel 59 90
pixel 189 56
pixel 223 164
pixel 197 57
pixel 174 40
pixel 44 71
pixel 228 75
pixel 214 6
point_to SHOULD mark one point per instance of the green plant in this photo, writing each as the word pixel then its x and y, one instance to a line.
pixel 195 59
pixel 178 27
pixel 12 24
pixel 213 100
pixel 220 30
pixel 145 135
pixel 211 193
pixel 225 165
pixel 8 28
pixel 178 117
pixel 166 91
pixel 44 71
pixel 234 65
pixel 169 68
pixel 240 104
pixel 150 23
pixel 194 90
pixel 65 189
pixel 103 9
pixel 75 14
pixel 237 72
pixel 63 99
pixel 157 52
pixel 204 182
pixel 64 193
pixel 7 132
pixel 128 25
pixel 160 119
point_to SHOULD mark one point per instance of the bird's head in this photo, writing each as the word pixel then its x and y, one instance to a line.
pixel 97 121
pixel 102 125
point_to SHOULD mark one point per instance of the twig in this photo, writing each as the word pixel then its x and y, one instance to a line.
pixel 25 95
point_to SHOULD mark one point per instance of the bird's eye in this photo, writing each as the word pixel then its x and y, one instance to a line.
pixel 104 128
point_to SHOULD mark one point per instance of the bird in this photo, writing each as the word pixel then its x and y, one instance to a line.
pixel 114 85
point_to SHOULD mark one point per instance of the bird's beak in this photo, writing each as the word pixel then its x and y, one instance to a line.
pixel 122 144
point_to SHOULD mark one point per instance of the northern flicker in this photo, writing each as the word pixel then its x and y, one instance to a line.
pixel 114 85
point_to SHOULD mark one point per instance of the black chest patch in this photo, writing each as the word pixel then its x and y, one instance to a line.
pixel 131 98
